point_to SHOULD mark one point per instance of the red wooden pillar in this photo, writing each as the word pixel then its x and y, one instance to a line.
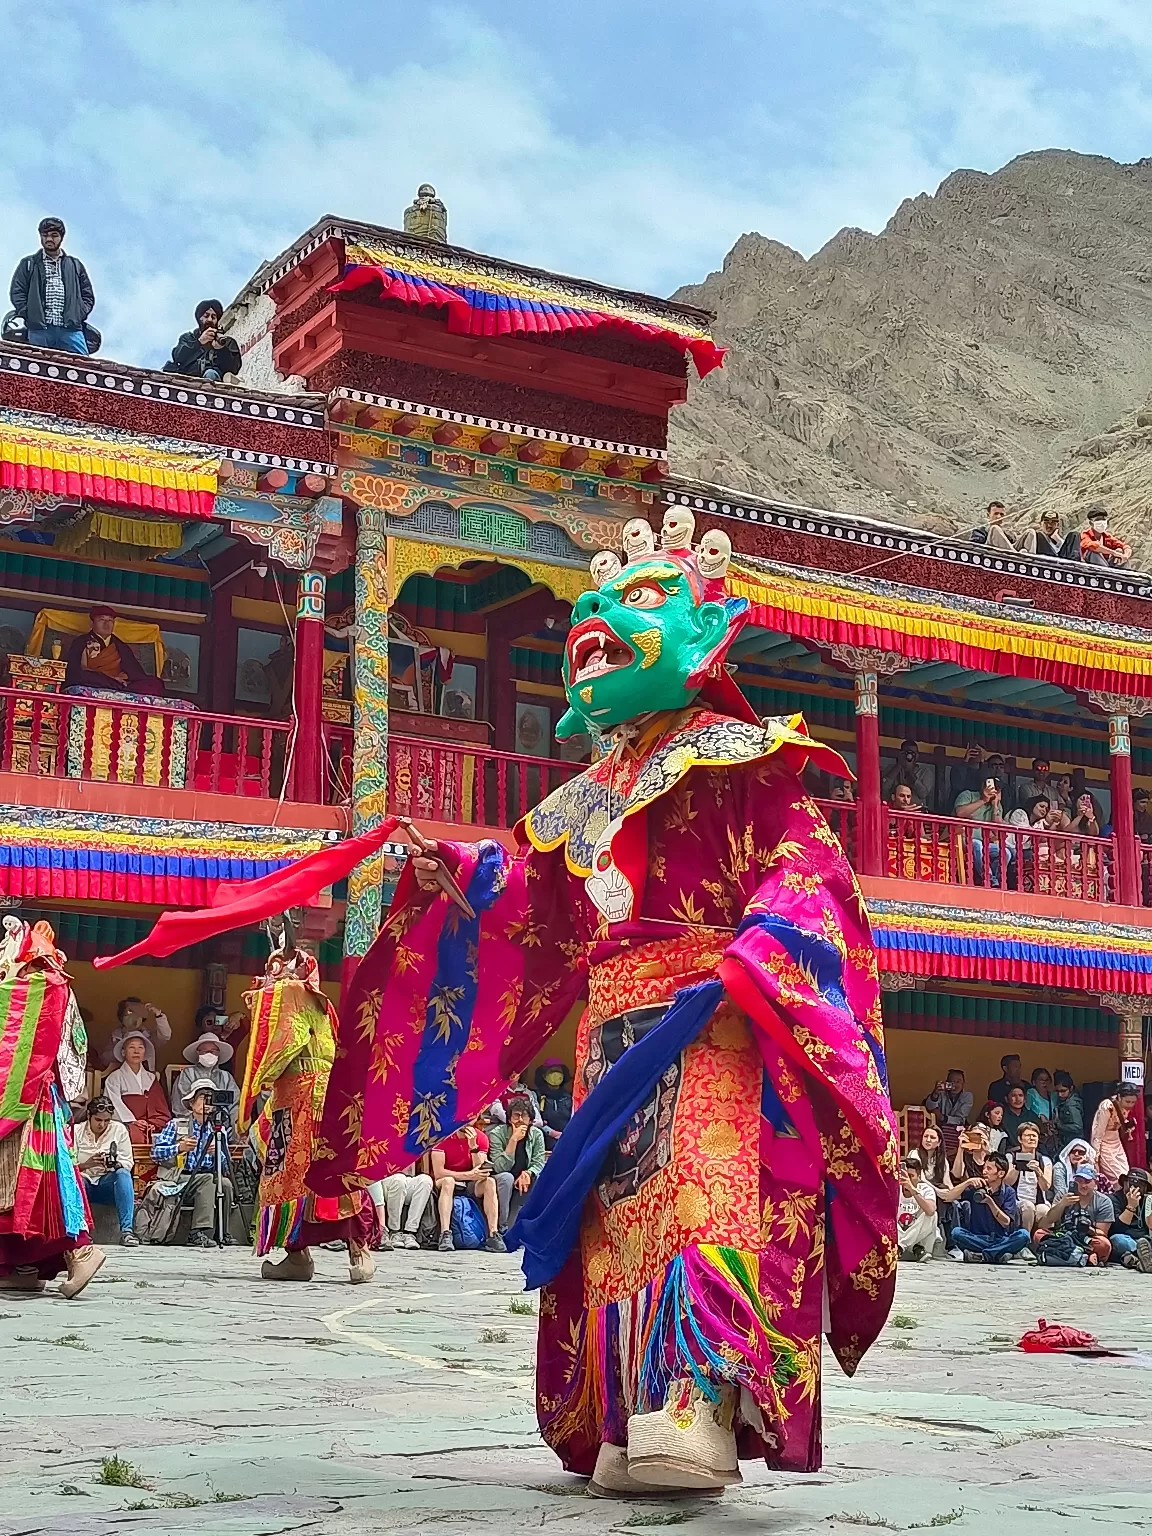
pixel 870 810
pixel 1123 823
pixel 308 758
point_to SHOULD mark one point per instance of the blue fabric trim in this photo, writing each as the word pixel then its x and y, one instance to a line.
pixel 977 947
pixel 549 1222
pixel 451 1002
pixel 71 1200
pixel 156 865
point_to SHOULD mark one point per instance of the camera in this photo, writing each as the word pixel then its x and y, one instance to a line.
pixel 112 1158
pixel 219 1114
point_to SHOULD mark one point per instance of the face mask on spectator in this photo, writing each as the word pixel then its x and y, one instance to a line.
pixel 208 1058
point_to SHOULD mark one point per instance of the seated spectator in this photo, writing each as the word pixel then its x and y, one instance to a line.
pixel 137 1097
pixel 554 1091
pixel 841 790
pixel 991 1122
pixel 406 1197
pixel 917 1229
pixel 1112 1128
pixel 516 1153
pixel 985 805
pixel 1014 1115
pixel 206 1057
pixel 1045 540
pixel 203 353
pixel 1128 1234
pixel 52 293
pixel 143 1018
pixel 185 1156
pixel 1039 784
pixel 516 1089
pixel 98 660
pixel 993 534
pixel 1069 1108
pixel 460 1167
pixel 1031 1177
pixel 1098 546
pixel 1075 1229
pixel 1037 815
pixel 1087 817
pixel 902 799
pixel 910 771
pixel 1011 1076
pixel 988 1230
pixel 1040 1103
pixel 1064 1168
pixel 103 1155
pixel 1062 790
pixel 950 1101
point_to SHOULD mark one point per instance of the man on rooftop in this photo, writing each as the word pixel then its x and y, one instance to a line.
pixel 52 294
pixel 203 353
pixel 1098 546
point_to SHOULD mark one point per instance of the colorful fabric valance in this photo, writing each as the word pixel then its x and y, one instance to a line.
pixel 112 536
pixel 880 616
pixel 84 857
pixel 120 471
pixel 985 947
pixel 72 621
pixel 482 301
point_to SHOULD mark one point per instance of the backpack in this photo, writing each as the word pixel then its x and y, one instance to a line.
pixel 469 1229
pixel 1059 1249
pixel 157 1216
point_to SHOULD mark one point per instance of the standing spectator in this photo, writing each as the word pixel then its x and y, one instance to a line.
pixel 1111 1127
pixel 917 1230
pixel 950 1101
pixel 133 1015
pixel 1031 1177
pixel 903 798
pixel 1075 1230
pixel 1142 814
pixel 991 1122
pixel 554 1091
pixel 967 775
pixel 985 805
pixel 908 769
pixel 993 533
pixel 1039 784
pixel 989 1232
pixel 1064 1169
pixel 406 1197
pixel 1128 1234
pixel 934 1161
pixel 51 293
pixel 460 1166
pixel 516 1153
pixel 103 1155
pixel 1098 546
pixel 1069 1108
pixel 1014 1115
pixel 1011 1076
pixel 203 353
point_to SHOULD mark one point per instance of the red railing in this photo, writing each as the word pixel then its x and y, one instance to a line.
pixel 841 817
pixel 56 736
pixel 467 784
pixel 949 850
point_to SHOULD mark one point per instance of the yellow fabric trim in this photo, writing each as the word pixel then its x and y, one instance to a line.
pixel 68 621
pixel 132 461
pixel 112 528
pixel 907 616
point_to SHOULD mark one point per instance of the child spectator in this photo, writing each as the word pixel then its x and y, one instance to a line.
pixel 1069 1108
pixel 991 1122
pixel 917 1230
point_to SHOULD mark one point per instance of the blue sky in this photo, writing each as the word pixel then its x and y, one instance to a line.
pixel 624 140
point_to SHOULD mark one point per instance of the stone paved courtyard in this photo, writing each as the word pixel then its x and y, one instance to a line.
pixel 406 1405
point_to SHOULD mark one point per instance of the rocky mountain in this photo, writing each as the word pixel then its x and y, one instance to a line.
pixel 994 340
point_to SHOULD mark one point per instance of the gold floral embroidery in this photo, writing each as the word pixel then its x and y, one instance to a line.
pixel 691 1206
pixel 720 1140
pixel 875 1267
pixel 794 880
pixel 795 1214
pixel 689 910
pixel 838 1153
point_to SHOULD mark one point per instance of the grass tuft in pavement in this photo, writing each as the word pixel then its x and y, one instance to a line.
pixel 115 1472
pixel 902 1320
pixel 522 1306
pixel 494 1335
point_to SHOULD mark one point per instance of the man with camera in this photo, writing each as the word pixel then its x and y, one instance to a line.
pixel 185 1154
pixel 989 1230
pixel 203 353
pixel 103 1154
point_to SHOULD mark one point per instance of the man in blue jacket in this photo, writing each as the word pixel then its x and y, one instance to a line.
pixel 52 294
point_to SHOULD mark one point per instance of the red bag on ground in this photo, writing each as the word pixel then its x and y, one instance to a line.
pixel 1052 1338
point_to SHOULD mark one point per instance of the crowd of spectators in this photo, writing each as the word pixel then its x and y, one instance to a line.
pixel 1091 545
pixel 1026 1177
pixel 52 298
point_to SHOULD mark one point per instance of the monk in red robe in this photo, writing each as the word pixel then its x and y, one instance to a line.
pixel 99 660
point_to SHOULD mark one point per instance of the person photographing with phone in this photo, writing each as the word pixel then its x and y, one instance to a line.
pixel 986 804
pixel 104 1161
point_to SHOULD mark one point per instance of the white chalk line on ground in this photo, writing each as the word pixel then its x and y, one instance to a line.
pixel 334 1322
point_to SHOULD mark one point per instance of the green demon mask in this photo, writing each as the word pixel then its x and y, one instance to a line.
pixel 655 631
